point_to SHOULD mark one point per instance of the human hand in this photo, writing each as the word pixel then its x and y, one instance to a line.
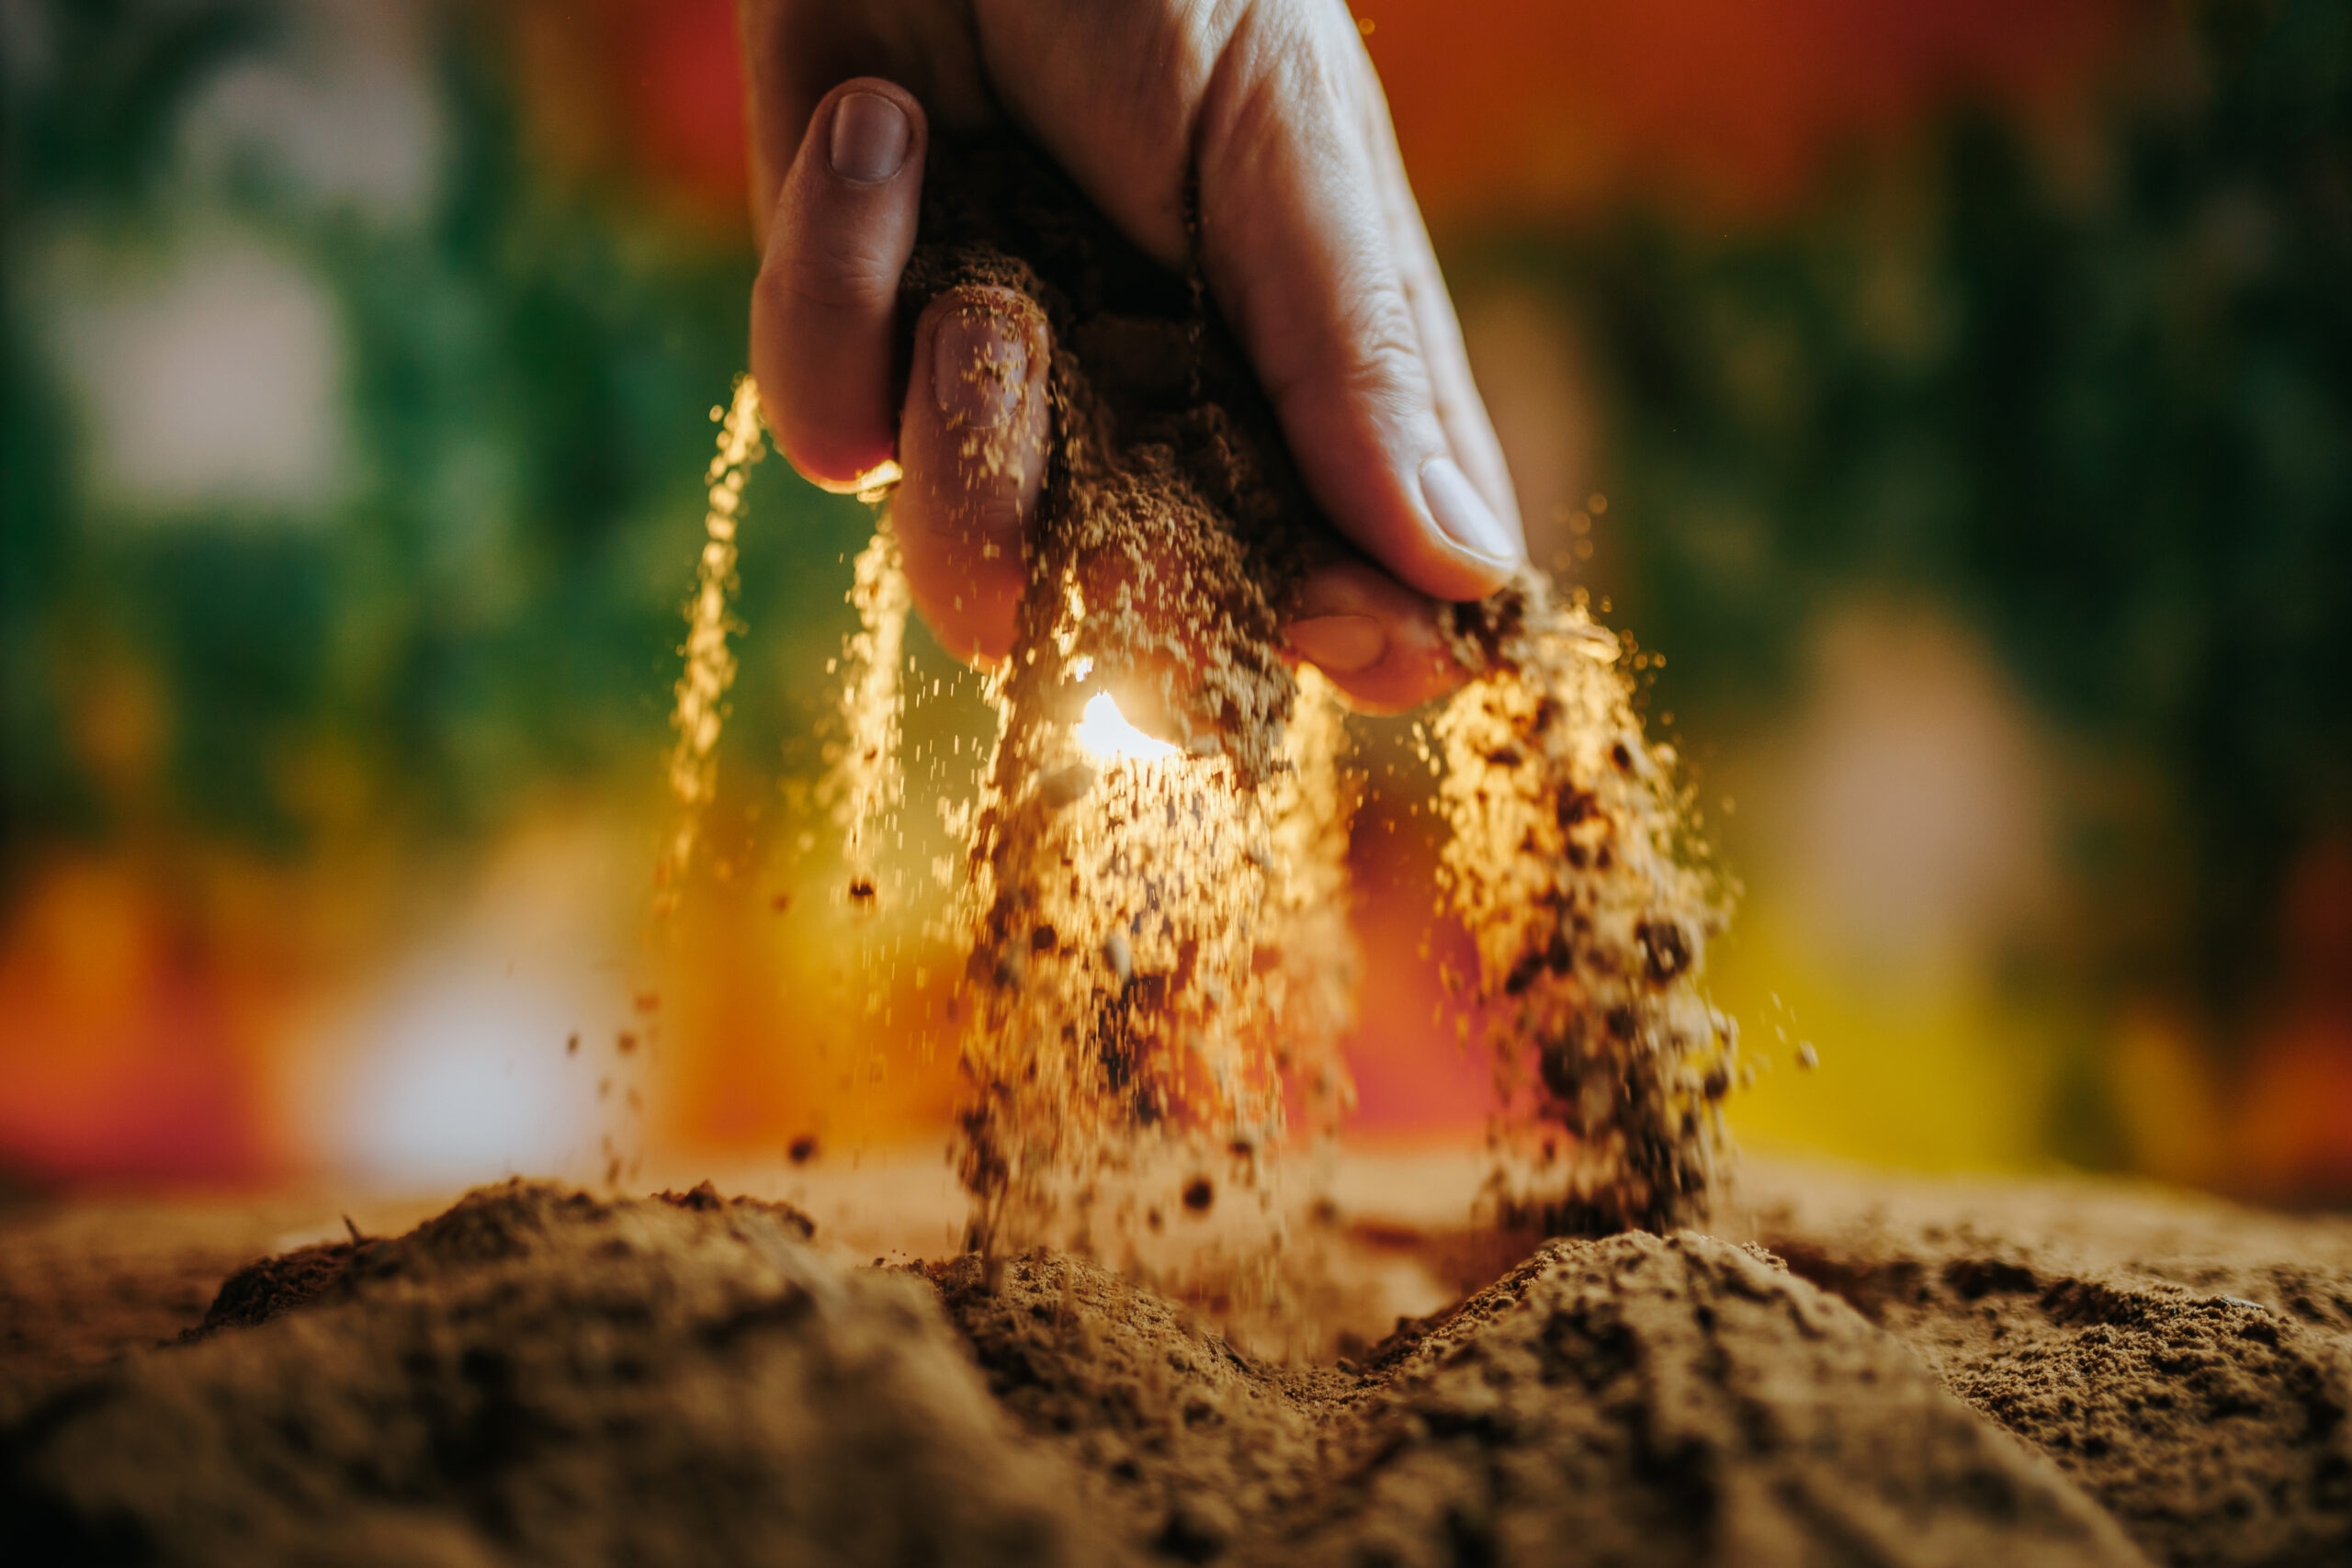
pixel 1308 239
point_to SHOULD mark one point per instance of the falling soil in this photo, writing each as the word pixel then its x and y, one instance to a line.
pixel 1149 949
pixel 1158 962
pixel 542 1376
pixel 701 689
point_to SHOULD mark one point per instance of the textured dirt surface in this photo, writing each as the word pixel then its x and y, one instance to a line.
pixel 82 1282
pixel 539 1376
pixel 1176 1435
pixel 1678 1400
pixel 1942 1372
pixel 2188 1362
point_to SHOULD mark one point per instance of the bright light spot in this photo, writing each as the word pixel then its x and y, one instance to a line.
pixel 877 483
pixel 453 1065
pixel 1106 735
pixel 463 1078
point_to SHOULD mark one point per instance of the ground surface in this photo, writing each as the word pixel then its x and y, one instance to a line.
pixel 1855 1369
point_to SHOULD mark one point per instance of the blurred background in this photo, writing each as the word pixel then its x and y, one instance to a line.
pixel 1956 397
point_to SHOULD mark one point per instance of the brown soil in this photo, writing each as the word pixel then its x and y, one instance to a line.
pixel 80 1284
pixel 537 1376
pixel 540 1376
pixel 2188 1362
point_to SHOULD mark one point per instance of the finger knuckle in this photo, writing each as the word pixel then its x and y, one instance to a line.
pixel 833 272
pixel 1379 348
pixel 1366 356
pixel 1269 71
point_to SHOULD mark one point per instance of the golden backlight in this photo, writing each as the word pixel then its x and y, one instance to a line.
pixel 1106 736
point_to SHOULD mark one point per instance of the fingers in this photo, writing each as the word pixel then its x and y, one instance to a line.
pixel 1375 638
pixel 1307 233
pixel 970 436
pixel 972 439
pixel 1297 243
pixel 822 311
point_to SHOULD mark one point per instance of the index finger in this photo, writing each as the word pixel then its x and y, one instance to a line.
pixel 795 51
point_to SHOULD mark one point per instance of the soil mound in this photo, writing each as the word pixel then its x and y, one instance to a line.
pixel 2212 1428
pixel 539 1376
pixel 2188 1362
pixel 1180 1438
pixel 1679 1400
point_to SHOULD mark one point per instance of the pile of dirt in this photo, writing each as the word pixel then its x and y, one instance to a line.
pixel 1679 1400
pixel 79 1283
pixel 2211 1425
pixel 539 1376
pixel 1180 1438
pixel 2188 1362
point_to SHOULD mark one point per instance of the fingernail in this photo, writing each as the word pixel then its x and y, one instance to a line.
pixel 870 137
pixel 1342 645
pixel 977 368
pixel 1463 514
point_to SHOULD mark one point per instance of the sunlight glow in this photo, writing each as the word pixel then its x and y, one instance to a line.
pixel 1106 735
pixel 875 484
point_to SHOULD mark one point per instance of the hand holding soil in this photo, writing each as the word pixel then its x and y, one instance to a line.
pixel 1252 145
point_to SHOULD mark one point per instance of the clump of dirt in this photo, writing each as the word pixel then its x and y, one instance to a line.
pixel 268 1286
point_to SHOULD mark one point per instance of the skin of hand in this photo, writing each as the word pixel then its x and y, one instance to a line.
pixel 1308 239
